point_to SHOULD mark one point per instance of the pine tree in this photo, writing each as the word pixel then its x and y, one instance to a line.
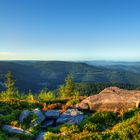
pixel 69 85
pixel 67 90
pixel 11 91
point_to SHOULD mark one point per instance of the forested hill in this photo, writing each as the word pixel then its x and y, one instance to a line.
pixel 36 75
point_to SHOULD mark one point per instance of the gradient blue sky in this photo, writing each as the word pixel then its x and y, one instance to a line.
pixel 70 30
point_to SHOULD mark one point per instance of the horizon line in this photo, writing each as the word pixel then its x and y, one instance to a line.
pixel 71 60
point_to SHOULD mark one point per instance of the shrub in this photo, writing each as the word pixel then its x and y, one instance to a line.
pixel 14 123
pixel 68 130
pixel 72 102
pixel 91 127
pixel 30 97
pixel 51 136
pixel 7 119
pixel 107 119
pixel 46 96
pixel 3 136
pixel 130 113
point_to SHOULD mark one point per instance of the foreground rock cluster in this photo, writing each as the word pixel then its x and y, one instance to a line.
pixel 46 119
pixel 111 99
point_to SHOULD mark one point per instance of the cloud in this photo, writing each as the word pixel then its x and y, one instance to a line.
pixel 7 53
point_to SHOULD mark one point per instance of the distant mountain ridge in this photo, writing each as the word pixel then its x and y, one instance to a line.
pixel 36 75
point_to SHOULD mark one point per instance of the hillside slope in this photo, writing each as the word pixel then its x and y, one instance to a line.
pixel 39 74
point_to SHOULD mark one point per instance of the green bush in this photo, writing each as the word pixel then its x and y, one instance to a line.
pixel 130 113
pixel 91 127
pixel 51 136
pixel 3 136
pixel 72 102
pixel 69 129
pixel 107 119
pixel 46 96
pixel 7 119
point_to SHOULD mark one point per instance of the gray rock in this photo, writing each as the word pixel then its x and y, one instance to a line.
pixel 40 116
pixel 111 99
pixel 1 115
pixel 71 116
pixel 75 120
pixel 16 130
pixel 53 114
pixel 47 123
pixel 40 136
pixel 73 112
pixel 24 114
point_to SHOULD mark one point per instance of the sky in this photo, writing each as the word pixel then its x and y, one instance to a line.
pixel 70 30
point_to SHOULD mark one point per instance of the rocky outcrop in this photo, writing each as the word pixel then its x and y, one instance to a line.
pixel 52 118
pixel 15 130
pixel 71 116
pixel 111 99
pixel 52 114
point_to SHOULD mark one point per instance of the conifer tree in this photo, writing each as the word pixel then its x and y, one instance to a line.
pixel 11 91
pixel 67 90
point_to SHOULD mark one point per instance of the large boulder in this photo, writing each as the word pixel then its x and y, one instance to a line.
pixel 52 114
pixel 24 115
pixel 111 99
pixel 71 116
pixel 15 130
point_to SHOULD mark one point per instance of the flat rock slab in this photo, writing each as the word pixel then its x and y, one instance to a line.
pixel 16 130
pixel 71 116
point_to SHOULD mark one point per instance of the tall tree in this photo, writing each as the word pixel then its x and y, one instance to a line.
pixel 69 87
pixel 11 91
pixel 67 90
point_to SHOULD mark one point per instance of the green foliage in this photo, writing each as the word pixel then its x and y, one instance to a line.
pixel 91 127
pixel 30 96
pixel 130 114
pixel 7 119
pixel 68 130
pixel 72 102
pixel 51 136
pixel 3 136
pixel 98 126
pixel 11 91
pixel 103 120
pixel 10 83
pixel 43 95
pixel 67 90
